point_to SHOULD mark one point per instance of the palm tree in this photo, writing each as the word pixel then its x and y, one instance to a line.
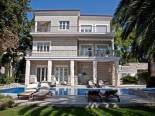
pixel 139 15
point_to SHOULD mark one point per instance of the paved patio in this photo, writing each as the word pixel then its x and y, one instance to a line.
pixel 81 101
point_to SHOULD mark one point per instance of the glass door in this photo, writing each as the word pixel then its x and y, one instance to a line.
pixel 41 74
pixel 86 50
pixel 61 75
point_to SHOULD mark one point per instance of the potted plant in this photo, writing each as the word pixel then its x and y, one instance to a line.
pixel 107 52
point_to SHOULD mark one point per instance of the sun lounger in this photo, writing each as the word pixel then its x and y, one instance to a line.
pixel 101 84
pixel 41 94
pixel 91 84
pixel 53 84
pixel 43 90
pixel 27 94
pixel 44 85
pixel 29 91
pixel 94 95
pixel 31 87
pixel 108 94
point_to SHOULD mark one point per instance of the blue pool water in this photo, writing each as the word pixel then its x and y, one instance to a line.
pixel 12 90
pixel 148 90
pixel 83 91
pixel 66 91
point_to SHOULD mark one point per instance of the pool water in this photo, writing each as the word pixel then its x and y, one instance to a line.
pixel 12 90
pixel 66 91
pixel 149 90
pixel 83 91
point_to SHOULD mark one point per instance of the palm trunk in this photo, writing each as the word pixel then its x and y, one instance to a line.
pixel 151 73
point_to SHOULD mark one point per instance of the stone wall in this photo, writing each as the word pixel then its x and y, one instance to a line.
pixel 132 68
pixel 103 71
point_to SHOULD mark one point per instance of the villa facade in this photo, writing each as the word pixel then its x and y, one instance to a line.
pixel 72 48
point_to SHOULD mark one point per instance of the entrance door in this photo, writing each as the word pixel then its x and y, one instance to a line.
pixel 61 74
pixel 41 74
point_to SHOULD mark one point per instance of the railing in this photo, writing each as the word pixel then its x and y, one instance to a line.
pixel 74 53
pixel 56 29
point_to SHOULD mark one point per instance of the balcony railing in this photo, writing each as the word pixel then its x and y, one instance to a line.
pixel 56 29
pixel 74 53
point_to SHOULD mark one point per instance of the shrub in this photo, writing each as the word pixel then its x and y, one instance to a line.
pixel 129 80
pixel 2 77
pixel 9 79
pixel 142 77
pixel 6 101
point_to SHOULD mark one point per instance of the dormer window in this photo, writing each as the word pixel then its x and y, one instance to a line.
pixel 64 25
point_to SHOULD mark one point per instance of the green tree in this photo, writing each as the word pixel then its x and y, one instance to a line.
pixel 125 46
pixel 14 28
pixel 139 15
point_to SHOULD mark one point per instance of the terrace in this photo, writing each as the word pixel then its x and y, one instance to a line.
pixel 72 29
pixel 73 53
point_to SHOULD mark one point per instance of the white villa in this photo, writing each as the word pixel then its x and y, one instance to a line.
pixel 72 48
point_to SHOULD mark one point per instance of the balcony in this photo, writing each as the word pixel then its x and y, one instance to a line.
pixel 73 53
pixel 73 29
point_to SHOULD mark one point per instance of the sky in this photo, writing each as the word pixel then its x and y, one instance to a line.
pixel 90 7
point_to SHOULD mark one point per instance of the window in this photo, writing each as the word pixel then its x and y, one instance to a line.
pixel 101 28
pixel 86 28
pixel 101 49
pixel 64 25
pixel 86 50
pixel 43 46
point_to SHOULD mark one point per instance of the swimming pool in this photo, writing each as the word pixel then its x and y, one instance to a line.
pixel 148 90
pixel 66 91
pixel 83 91
pixel 12 90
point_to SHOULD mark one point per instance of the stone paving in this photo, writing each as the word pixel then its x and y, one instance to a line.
pixel 81 101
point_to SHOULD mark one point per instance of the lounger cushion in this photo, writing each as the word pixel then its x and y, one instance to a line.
pixel 44 85
pixel 32 86
pixel 41 93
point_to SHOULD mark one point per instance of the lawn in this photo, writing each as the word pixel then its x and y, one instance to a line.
pixel 66 111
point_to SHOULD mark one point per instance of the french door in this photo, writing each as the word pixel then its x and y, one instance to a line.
pixel 41 74
pixel 86 50
pixel 61 74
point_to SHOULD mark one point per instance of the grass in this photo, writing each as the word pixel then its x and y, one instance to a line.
pixel 68 111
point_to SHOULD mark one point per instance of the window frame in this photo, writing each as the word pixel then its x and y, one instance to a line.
pixel 64 26
pixel 43 47
pixel 86 25
pixel 96 48
pixel 80 46
pixel 101 25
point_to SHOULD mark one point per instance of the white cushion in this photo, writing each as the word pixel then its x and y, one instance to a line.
pixel 33 79
pixel 31 86
pixel 44 85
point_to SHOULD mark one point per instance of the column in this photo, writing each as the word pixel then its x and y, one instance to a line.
pixel 49 70
pixel 117 80
pixel 95 71
pixel 112 47
pixel 112 44
pixel 72 72
pixel 113 73
pixel 35 28
pixel 27 72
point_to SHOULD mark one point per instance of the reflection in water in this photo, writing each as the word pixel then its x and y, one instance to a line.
pixel 83 91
